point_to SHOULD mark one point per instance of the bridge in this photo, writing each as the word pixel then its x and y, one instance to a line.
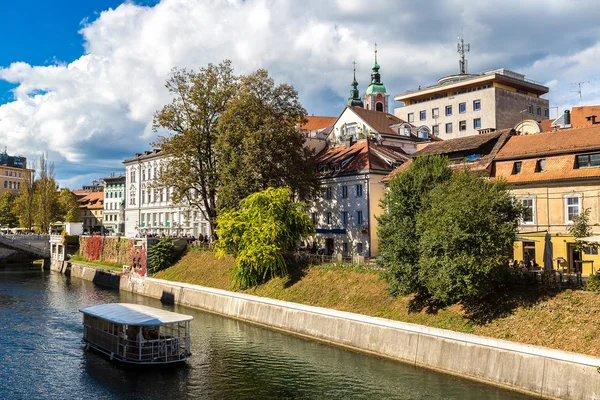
pixel 36 245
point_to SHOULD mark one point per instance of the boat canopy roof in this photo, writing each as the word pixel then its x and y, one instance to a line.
pixel 135 314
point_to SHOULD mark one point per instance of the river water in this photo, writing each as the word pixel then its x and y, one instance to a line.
pixel 42 356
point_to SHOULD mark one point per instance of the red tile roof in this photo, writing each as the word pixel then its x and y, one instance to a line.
pixel 93 201
pixel 579 114
pixel 556 168
pixel 362 155
pixel 317 123
pixel 380 121
pixel 545 124
pixel 549 143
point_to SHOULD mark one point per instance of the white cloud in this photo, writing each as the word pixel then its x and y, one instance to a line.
pixel 97 109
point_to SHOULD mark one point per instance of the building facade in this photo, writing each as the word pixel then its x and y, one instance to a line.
pixel 468 104
pixel 114 205
pixel 92 212
pixel 149 210
pixel 13 172
pixel 554 183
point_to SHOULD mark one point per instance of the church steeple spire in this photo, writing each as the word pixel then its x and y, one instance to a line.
pixel 376 97
pixel 354 99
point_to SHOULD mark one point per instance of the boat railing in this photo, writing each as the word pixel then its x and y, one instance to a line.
pixel 154 350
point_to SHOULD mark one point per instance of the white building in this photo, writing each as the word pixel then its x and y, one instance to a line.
pixel 469 104
pixel 150 210
pixel 114 204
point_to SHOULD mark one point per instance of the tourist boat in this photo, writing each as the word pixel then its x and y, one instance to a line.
pixel 137 334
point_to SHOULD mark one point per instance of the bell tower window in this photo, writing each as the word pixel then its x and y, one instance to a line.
pixel 379 107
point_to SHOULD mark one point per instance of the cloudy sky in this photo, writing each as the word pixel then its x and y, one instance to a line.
pixel 80 80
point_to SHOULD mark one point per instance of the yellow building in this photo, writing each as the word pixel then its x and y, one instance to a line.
pixel 13 173
pixel 556 176
pixel 92 211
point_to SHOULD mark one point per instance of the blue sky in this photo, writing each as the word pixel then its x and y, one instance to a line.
pixel 81 79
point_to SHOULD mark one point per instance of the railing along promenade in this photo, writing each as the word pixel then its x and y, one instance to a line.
pixel 38 245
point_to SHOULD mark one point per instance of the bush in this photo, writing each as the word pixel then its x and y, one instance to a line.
pixel 162 255
pixel 593 284
pixel 260 233
pixel 466 236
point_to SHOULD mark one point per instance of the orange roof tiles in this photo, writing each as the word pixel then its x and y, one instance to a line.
pixel 548 143
pixel 317 123
pixel 545 125
pixel 380 121
pixel 556 168
pixel 93 201
pixel 579 114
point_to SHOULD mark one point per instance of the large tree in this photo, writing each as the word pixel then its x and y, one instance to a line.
pixel 69 210
pixel 259 145
pixel 191 120
pixel 260 232
pixel 45 197
pixel 24 204
pixel 397 229
pixel 466 235
pixel 7 209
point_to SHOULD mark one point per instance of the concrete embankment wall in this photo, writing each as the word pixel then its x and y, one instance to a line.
pixel 536 370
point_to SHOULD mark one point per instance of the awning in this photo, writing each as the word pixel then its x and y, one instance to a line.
pixel 522 239
pixel 589 239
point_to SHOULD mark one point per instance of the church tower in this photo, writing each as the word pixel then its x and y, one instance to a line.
pixel 354 99
pixel 376 97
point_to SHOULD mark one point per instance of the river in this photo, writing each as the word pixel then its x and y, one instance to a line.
pixel 42 356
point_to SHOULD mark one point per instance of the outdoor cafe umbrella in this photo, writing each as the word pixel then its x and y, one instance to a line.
pixel 548 250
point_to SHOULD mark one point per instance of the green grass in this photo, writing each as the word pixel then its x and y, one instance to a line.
pixel 109 266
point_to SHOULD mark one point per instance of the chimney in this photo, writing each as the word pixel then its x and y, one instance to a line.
pixel 567 119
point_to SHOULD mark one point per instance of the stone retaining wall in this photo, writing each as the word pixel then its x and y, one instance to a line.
pixel 536 370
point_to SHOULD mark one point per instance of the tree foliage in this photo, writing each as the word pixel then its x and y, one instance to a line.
pixel 199 99
pixel 466 234
pixel 259 145
pixel 260 232
pixel 581 228
pixel 69 210
pixel 45 199
pixel 24 204
pixel 161 255
pixel 397 230
pixel 7 209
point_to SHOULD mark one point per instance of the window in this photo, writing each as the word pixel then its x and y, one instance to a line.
pixel 477 123
pixel 528 210
pixel 540 165
pixel 132 176
pixel 435 129
pixel 546 113
pixel 344 218
pixel 538 111
pixel 592 250
pixel 462 125
pixel 449 127
pixel 422 115
pixel 435 112
pixel 359 190
pixel 359 248
pixel 530 109
pixel 571 208
pixel 328 193
pixel 328 218
pixel 476 105
pixel 344 192
pixel 359 218
pixel 517 168
pixel 345 248
pixel 411 117
pixel 588 160
pixel 448 110
pixel 143 175
pixel 313 218
pixel 462 107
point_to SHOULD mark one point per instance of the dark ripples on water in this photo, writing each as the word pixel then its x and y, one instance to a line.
pixel 42 357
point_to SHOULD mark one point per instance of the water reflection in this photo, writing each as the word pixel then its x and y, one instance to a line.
pixel 231 359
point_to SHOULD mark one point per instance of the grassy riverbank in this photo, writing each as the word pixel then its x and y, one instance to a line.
pixel 565 320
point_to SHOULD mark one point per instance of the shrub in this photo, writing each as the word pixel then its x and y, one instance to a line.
pixel 161 255
pixel 593 284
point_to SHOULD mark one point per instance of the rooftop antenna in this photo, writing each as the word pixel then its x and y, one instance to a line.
pixel 579 89
pixel 462 49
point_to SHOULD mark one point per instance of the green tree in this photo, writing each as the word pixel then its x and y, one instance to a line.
pixel 466 235
pixel 259 145
pixel 191 119
pixel 69 210
pixel 397 230
pixel 7 209
pixel 161 255
pixel 24 204
pixel 45 199
pixel 581 228
pixel 260 232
